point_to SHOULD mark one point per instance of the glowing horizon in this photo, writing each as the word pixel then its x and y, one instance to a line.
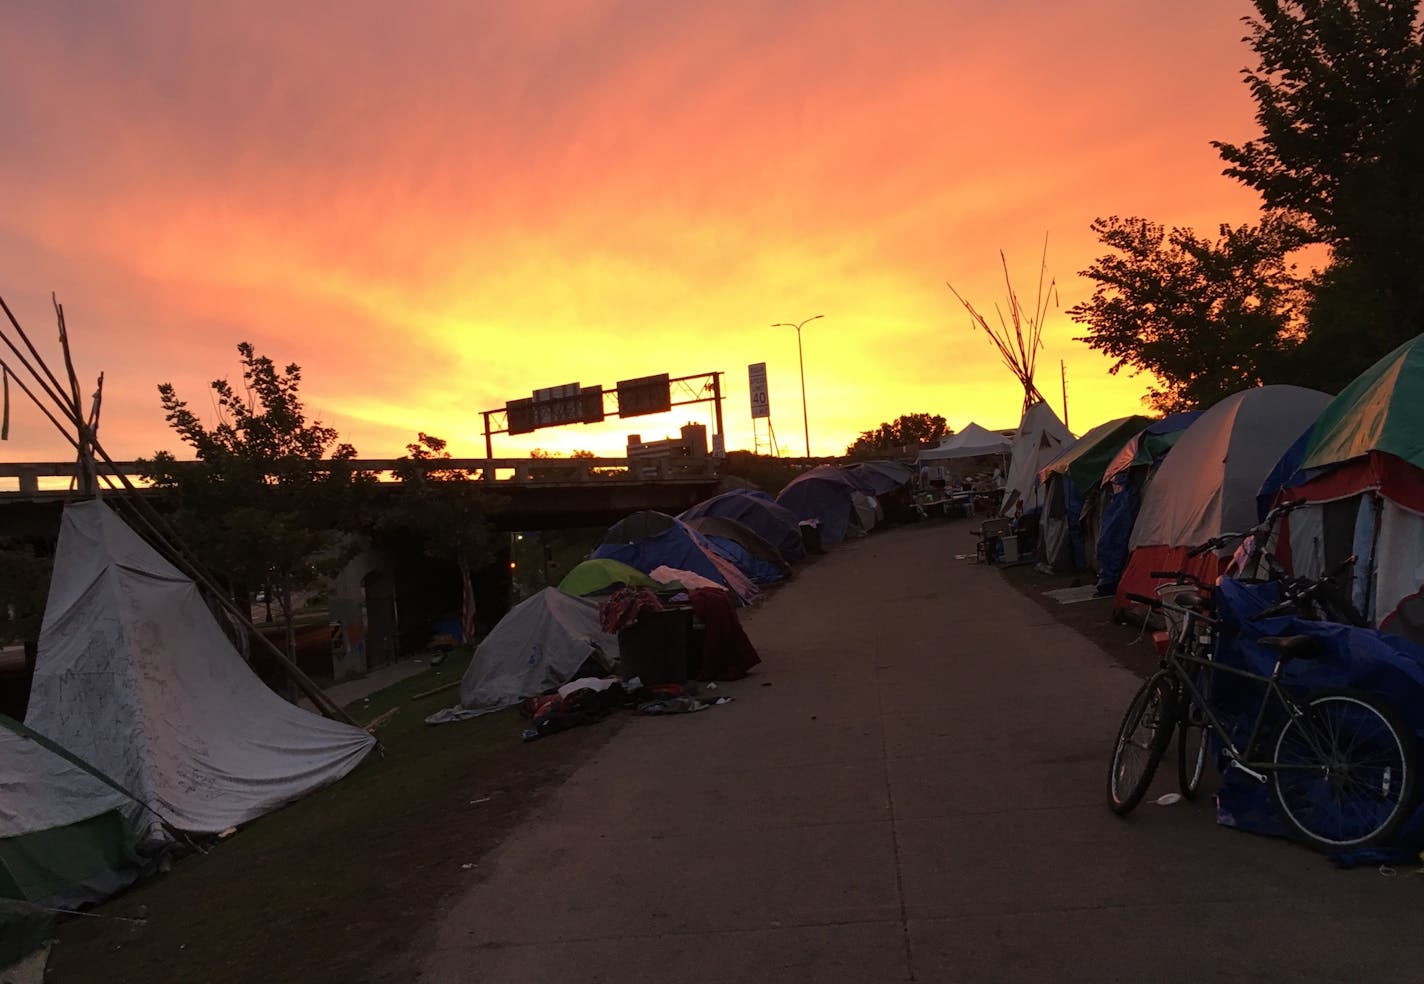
pixel 435 211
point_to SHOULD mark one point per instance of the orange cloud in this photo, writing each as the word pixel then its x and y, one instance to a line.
pixel 437 208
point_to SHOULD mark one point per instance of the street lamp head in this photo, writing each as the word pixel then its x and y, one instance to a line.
pixel 795 324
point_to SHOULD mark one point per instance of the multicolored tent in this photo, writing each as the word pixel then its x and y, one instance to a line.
pixel 648 539
pixel 1208 484
pixel 1362 474
pixel 756 558
pixel 1119 495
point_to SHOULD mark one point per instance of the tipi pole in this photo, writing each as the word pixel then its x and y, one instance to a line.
pixel 87 483
pixel 150 517
pixel 1063 374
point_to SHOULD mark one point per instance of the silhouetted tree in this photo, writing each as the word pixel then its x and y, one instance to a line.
pixel 903 434
pixel 267 498
pixel 1205 318
pixel 1339 90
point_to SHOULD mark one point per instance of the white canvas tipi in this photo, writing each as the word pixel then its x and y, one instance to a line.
pixel 135 676
pixel 1041 437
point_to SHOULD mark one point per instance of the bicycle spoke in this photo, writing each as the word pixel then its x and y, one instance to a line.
pixel 1357 771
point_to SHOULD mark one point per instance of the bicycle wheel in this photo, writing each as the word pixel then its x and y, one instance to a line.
pixel 1193 748
pixel 1345 771
pixel 1146 729
pixel 1193 736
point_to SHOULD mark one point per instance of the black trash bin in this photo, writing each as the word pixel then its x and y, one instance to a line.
pixel 811 538
pixel 654 648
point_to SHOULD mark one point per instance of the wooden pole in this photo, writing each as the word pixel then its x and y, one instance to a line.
pixel 1063 373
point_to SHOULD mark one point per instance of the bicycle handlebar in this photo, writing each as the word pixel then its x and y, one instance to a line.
pixel 1144 600
pixel 1264 528
pixel 1301 590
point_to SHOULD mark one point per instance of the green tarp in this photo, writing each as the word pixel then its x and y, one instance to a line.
pixel 1090 455
pixel 1382 410
pixel 72 865
pixel 64 842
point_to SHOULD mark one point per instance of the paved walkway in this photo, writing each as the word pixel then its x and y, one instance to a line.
pixel 378 679
pixel 909 789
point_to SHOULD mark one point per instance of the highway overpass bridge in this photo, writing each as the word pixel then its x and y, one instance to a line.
pixel 538 493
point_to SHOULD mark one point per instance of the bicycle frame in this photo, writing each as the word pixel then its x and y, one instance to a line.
pixel 1258 770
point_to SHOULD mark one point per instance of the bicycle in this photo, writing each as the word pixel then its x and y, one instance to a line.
pixel 1192 632
pixel 1341 768
pixel 1195 635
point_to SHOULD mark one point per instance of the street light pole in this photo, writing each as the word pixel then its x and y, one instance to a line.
pixel 805 421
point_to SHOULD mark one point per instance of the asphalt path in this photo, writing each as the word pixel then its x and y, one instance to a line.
pixel 909 788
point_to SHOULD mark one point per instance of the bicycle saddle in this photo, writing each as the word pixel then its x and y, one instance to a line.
pixel 1294 647
pixel 1195 600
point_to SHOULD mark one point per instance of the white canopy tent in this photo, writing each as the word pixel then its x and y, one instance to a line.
pixel 971 442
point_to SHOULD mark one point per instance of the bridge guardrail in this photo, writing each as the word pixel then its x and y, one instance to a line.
pixel 494 471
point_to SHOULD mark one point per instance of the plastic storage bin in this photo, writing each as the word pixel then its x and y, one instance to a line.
pixel 655 648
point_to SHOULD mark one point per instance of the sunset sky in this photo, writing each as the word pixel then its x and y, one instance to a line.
pixel 436 207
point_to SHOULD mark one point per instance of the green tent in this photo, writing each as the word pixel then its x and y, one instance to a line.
pixel 1087 458
pixel 601 574
pixel 64 839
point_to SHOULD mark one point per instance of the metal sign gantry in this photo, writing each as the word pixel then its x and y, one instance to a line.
pixel 559 406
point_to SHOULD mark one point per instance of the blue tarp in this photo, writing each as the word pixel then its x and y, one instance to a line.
pixel 1115 530
pixel 822 494
pixel 1285 475
pixel 759 570
pixel 682 548
pixel 760 513
pixel 1363 659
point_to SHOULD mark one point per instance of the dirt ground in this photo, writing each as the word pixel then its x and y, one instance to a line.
pixel 341 886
